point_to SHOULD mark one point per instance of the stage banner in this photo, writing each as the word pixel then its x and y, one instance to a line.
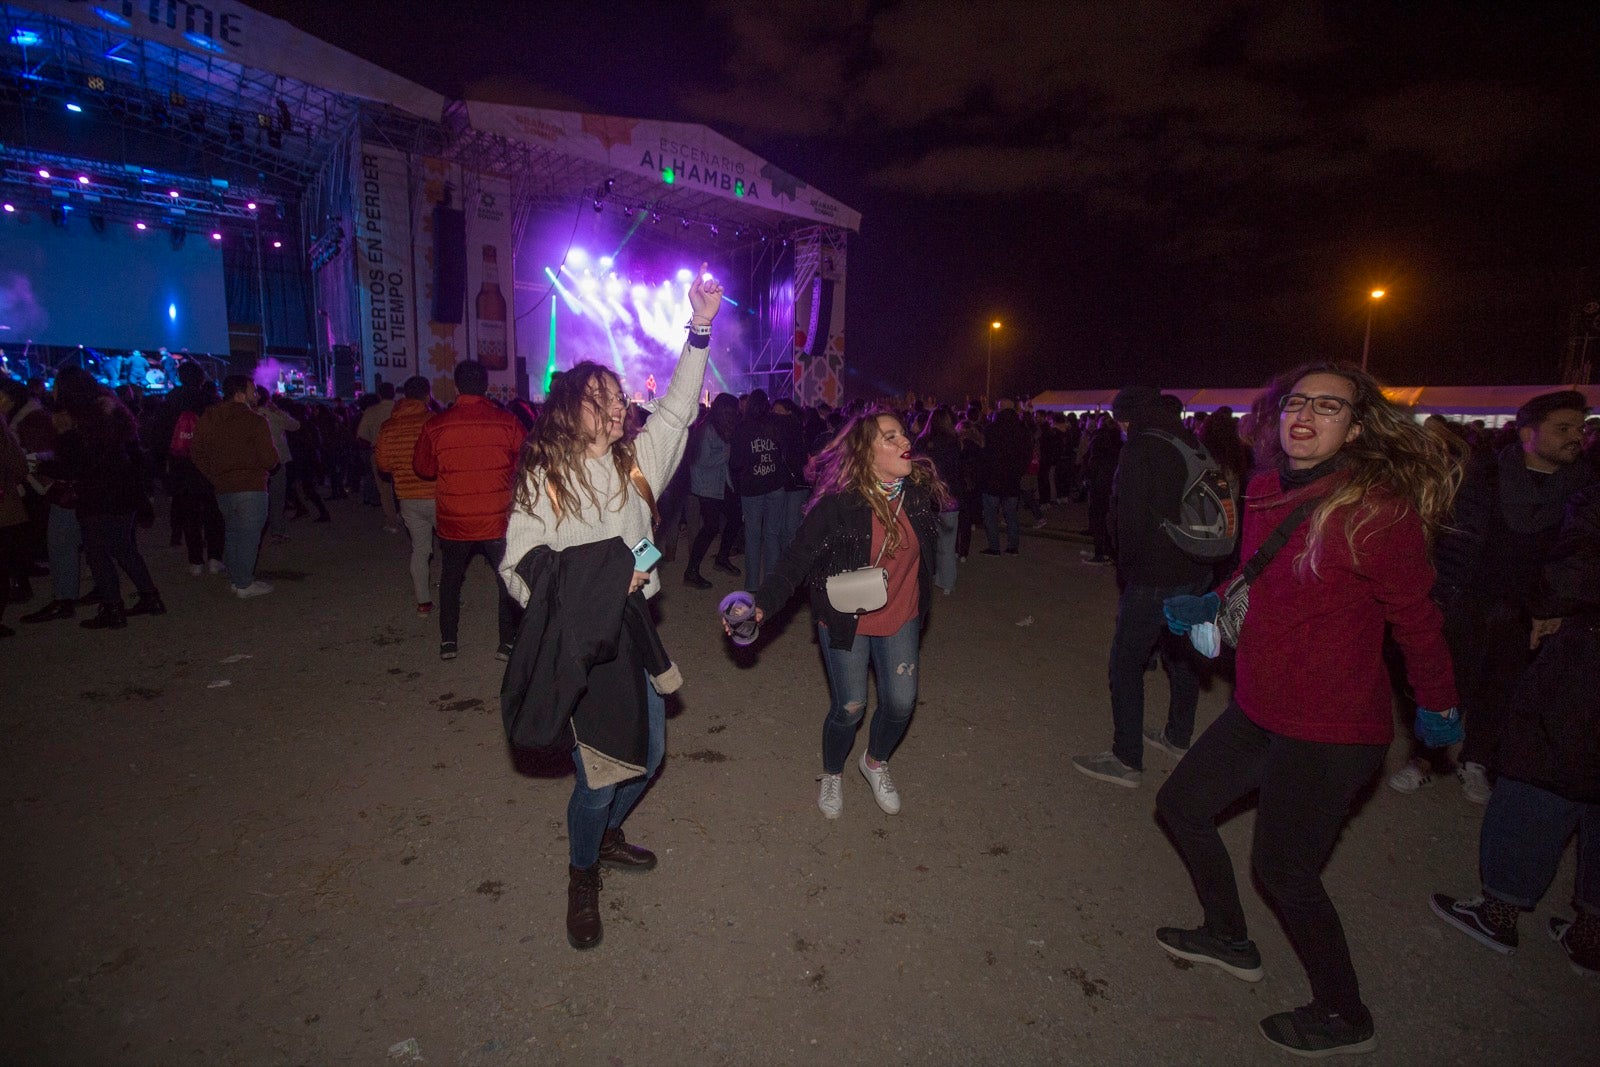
pixel 390 346
pixel 225 29
pixel 491 281
pixel 700 158
pixel 819 313
pixel 486 334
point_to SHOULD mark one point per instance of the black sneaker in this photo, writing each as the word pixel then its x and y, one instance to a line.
pixel 1469 916
pixel 1584 965
pixel 1238 958
pixel 695 580
pixel 503 653
pixel 1314 1032
pixel 447 650
pixel 725 567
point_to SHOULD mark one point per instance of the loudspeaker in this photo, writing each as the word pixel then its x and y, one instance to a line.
pixel 821 316
pixel 449 263
pixel 344 371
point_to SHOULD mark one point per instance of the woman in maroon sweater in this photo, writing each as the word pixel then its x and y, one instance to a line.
pixel 1311 717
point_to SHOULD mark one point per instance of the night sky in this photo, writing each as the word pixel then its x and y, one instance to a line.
pixel 1178 194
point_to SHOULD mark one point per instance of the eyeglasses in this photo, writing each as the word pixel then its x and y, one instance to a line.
pixel 1326 406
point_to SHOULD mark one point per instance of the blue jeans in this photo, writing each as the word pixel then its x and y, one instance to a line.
pixel 1525 831
pixel 1142 630
pixel 765 517
pixel 894 660
pixel 993 507
pixel 794 502
pixel 63 541
pixel 591 812
pixel 944 570
pixel 244 516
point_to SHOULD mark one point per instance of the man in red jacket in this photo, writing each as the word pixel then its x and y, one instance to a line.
pixel 470 452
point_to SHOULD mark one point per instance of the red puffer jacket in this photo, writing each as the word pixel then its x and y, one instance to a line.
pixel 471 452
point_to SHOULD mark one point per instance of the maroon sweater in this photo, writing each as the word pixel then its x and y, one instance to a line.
pixel 1310 657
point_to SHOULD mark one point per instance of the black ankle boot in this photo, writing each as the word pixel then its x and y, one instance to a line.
pixel 148 605
pixel 583 907
pixel 695 580
pixel 56 609
pixel 107 618
pixel 616 852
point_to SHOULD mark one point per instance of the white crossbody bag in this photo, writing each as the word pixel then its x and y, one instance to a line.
pixel 866 589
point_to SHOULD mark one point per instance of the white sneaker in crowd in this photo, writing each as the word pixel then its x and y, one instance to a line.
pixel 1410 778
pixel 1474 782
pixel 197 569
pixel 883 790
pixel 256 588
pixel 216 565
pixel 831 798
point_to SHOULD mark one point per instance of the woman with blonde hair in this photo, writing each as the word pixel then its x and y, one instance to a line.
pixel 1351 491
pixel 872 505
pixel 585 478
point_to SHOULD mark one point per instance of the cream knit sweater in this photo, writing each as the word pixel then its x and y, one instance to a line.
pixel 658 449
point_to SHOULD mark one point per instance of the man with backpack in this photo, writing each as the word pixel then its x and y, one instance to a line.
pixel 1172 516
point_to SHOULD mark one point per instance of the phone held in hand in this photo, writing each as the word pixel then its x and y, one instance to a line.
pixel 645 555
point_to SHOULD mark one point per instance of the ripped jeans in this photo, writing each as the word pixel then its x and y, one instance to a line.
pixel 894 660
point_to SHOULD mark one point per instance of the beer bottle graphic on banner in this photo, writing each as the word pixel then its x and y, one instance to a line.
pixel 491 313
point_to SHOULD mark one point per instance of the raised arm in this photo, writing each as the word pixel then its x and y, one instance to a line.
pixel 659 446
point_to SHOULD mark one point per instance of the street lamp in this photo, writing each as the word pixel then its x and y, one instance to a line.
pixel 988 366
pixel 1372 304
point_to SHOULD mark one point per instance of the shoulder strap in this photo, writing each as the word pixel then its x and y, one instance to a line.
pixel 898 505
pixel 1277 539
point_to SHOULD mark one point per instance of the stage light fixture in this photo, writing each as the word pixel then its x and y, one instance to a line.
pixel 655 216
pixel 83 179
pixel 277 244
pixel 11 209
pixel 173 193
pixel 44 174
pixel 684 223
pixel 140 226
pixel 114 54
pixel 112 17
pixel 216 235
pixel 606 262
pixel 24 38
pixel 75 108
pixel 714 231
pixel 627 212
pixel 251 206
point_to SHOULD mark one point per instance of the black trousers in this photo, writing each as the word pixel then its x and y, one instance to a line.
pixel 1488 641
pixel 455 555
pixel 1306 790
pixel 716 514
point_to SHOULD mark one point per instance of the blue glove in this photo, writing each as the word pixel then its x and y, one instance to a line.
pixel 1182 612
pixel 1436 729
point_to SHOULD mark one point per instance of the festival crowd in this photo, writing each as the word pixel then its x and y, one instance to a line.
pixel 1450 569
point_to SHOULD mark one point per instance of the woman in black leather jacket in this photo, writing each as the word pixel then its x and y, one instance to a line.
pixel 871 499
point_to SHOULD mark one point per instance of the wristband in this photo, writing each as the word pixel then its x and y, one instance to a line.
pixel 700 331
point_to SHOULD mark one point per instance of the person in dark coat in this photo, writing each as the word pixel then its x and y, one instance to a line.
pixel 872 502
pixel 1100 472
pixel 1549 765
pixel 1007 451
pixel 1149 487
pixel 1507 514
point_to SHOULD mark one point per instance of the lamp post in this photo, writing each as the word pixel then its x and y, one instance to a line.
pixel 988 366
pixel 1372 304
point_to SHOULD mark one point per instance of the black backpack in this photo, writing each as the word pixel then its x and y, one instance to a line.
pixel 1208 517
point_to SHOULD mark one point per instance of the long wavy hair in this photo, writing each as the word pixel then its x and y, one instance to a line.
pixel 1420 467
pixel 555 453
pixel 845 466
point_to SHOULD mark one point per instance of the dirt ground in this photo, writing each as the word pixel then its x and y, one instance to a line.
pixel 283 831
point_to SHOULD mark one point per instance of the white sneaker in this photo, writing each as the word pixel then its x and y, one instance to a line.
pixel 831 798
pixel 216 565
pixel 1474 783
pixel 197 569
pixel 256 588
pixel 883 790
pixel 1410 778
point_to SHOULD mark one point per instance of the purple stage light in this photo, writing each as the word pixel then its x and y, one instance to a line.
pixel 216 236
pixel 577 257
pixel 277 244
pixel 10 208
pixel 606 262
pixel 140 226
pixel 44 174
pixel 83 179
pixel 685 275
pixel 251 206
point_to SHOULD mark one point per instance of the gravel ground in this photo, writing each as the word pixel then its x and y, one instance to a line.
pixel 283 831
